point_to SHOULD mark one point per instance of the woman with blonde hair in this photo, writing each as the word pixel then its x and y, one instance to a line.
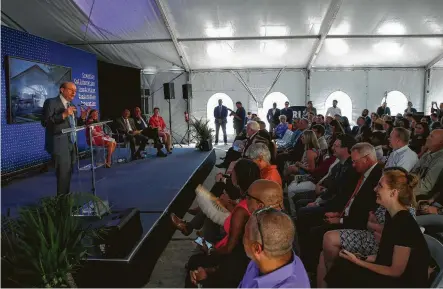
pixel 403 256
pixel 309 158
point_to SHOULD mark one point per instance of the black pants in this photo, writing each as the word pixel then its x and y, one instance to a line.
pixel 152 133
pixel 134 139
pixel 217 129
pixel 64 163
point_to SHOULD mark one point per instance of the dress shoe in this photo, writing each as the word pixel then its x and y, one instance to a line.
pixel 180 225
pixel 221 166
pixel 161 154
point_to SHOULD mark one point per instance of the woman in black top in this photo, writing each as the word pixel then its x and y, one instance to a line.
pixel 403 256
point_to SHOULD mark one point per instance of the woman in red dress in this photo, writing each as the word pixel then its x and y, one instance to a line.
pixel 99 138
pixel 156 121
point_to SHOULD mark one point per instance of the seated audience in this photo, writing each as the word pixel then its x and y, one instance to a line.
pixel 346 125
pixel 245 172
pixel 356 129
pixel 310 155
pixel 403 256
pixel 434 119
pixel 319 131
pixel 429 168
pixel 260 154
pixel 401 156
pixel 336 129
pixel 156 121
pixel 126 128
pixel 365 114
pixel 418 140
pixel 294 153
pixel 141 123
pixel 254 135
pixel 281 128
pixel 328 129
pixel 226 264
pixel 354 215
pixel 377 140
pixel 99 138
pixel 364 134
pixel 436 110
pixel 268 239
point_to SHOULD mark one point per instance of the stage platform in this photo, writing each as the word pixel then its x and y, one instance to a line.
pixel 156 186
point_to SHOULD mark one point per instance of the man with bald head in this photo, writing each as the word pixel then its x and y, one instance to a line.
pixel 264 193
pixel 268 239
pixel 59 113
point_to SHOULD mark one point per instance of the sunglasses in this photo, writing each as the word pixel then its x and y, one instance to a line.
pixel 257 214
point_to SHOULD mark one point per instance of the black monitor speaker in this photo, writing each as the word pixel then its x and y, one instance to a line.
pixel 147 91
pixel 168 89
pixel 187 91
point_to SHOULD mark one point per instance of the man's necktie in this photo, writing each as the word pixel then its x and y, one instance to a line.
pixel 357 188
pixel 73 134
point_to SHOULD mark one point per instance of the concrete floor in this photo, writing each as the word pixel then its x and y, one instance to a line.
pixel 170 268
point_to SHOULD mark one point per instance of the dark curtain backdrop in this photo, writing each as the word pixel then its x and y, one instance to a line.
pixel 119 88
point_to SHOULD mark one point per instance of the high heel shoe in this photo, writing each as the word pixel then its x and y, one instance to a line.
pixel 108 166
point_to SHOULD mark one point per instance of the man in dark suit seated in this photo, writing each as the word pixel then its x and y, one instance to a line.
pixel 254 135
pixel 354 215
pixel 273 117
pixel 220 116
pixel 58 114
pixel 141 124
pixel 126 127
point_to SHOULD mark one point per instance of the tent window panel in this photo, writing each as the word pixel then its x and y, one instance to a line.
pixel 212 103
pixel 276 97
pixel 396 101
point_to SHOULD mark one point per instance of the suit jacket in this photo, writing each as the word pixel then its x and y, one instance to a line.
pixel 273 118
pixel 139 124
pixel 55 141
pixel 256 138
pixel 340 186
pixel 223 114
pixel 381 111
pixel 289 114
pixel 240 123
pixel 364 202
pixel 121 125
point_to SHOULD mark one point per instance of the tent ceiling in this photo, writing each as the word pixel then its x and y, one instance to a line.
pixel 218 34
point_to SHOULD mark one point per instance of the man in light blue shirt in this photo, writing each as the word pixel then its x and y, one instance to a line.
pixel 402 155
pixel 268 239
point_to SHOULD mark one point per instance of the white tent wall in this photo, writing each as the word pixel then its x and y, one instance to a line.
pixel 205 84
pixel 435 89
pixel 178 105
pixel 366 88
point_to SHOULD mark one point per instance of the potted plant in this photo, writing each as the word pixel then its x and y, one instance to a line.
pixel 203 133
pixel 43 247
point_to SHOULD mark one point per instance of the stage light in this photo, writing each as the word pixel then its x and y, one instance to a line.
pixel 337 47
pixel 274 30
pixel 392 28
pixel 273 48
pixel 389 48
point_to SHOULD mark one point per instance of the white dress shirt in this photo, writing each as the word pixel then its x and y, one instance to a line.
pixel 64 101
pixel 332 111
pixel 403 157
pixel 365 176
pixel 128 125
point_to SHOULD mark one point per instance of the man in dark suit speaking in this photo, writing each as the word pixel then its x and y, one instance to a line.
pixel 220 115
pixel 58 114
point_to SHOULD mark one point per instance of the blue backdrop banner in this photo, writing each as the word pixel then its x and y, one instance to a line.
pixel 23 144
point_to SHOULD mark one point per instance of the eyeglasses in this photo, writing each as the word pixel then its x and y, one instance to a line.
pixel 254 198
pixel 257 214
pixel 357 160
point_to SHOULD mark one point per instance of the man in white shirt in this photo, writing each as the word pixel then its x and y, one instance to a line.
pixel 332 111
pixel 402 155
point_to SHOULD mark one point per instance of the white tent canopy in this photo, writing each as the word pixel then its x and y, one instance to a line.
pixel 249 49
pixel 226 34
